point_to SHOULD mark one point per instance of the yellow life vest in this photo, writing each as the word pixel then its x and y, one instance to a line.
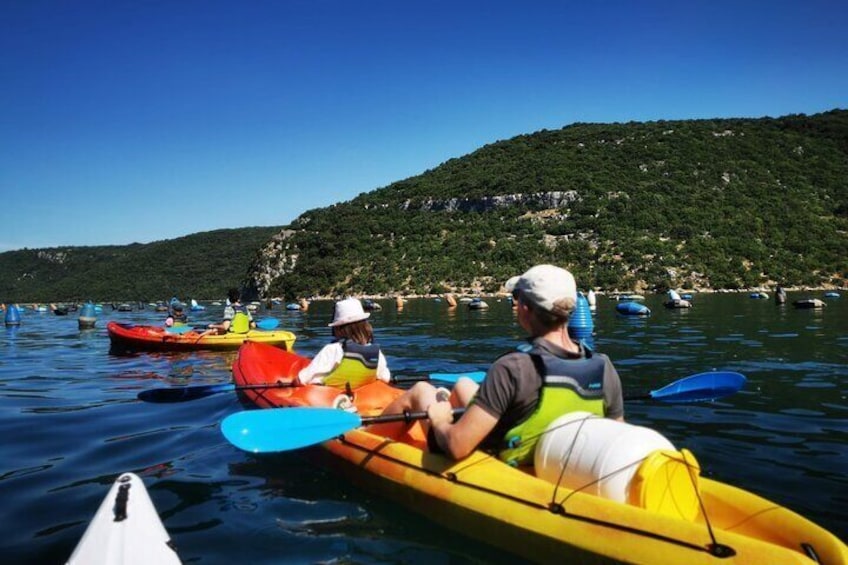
pixel 240 324
pixel 568 385
pixel 358 366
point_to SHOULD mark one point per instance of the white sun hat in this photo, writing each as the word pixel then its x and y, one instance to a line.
pixel 348 311
pixel 544 286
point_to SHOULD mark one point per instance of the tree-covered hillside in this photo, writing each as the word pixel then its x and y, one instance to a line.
pixel 201 265
pixel 725 203
pixel 730 203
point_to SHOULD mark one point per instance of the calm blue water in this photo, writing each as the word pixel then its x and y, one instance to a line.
pixel 70 423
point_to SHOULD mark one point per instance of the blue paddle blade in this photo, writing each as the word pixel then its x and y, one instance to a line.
pixel 268 323
pixel 700 387
pixel 476 376
pixel 283 429
pixel 179 329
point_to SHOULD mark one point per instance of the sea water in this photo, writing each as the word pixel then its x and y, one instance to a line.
pixel 71 422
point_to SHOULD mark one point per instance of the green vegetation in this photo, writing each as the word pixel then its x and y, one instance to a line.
pixel 733 203
pixel 702 203
pixel 201 265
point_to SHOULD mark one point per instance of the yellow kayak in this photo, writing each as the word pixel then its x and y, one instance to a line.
pixel 155 338
pixel 673 515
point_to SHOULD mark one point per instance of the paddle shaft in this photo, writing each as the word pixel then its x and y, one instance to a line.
pixel 407 417
pixel 282 429
pixel 186 394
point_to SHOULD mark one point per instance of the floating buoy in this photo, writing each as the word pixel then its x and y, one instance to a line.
pixel 87 317
pixel 13 316
pixel 632 309
pixel 807 303
pixel 581 325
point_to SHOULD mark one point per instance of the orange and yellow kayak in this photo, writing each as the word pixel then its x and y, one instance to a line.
pixel 512 508
pixel 155 338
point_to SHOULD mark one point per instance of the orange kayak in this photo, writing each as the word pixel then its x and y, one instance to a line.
pixel 697 521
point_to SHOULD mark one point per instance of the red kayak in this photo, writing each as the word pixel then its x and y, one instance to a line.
pixel 155 338
pixel 258 364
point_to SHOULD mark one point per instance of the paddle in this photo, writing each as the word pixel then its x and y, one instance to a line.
pixel 696 388
pixel 180 329
pixel 268 324
pixel 283 429
pixel 185 394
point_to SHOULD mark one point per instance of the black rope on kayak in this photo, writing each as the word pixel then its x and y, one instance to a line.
pixel 717 549
pixel 565 463
pixel 554 507
pixel 811 552
pixel 714 548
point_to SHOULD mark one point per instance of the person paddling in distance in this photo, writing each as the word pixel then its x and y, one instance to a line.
pixel 353 359
pixel 237 318
pixel 524 390
pixel 176 315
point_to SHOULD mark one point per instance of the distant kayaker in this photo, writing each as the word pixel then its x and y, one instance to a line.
pixel 176 315
pixel 237 318
pixel 353 358
pixel 509 411
pixel 780 295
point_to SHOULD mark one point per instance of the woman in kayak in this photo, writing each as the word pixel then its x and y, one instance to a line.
pixel 353 358
pixel 237 318
pixel 527 389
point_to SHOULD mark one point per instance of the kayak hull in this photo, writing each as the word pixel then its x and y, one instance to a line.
pixel 125 530
pixel 155 338
pixel 516 511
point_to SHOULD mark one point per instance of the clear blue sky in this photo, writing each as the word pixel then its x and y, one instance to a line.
pixel 137 121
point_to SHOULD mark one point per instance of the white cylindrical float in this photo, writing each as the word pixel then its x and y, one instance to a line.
pixel 619 461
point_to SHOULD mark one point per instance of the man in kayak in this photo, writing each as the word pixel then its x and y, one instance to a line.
pixel 527 389
pixel 237 318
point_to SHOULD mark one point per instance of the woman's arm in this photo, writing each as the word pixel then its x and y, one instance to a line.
pixel 322 364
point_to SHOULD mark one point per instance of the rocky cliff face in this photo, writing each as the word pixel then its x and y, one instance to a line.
pixel 272 260
pixel 552 199
pixel 279 255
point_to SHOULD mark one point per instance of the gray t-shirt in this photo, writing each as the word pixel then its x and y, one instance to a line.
pixel 512 387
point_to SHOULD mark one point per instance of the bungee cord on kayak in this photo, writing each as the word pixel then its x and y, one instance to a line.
pixel 555 508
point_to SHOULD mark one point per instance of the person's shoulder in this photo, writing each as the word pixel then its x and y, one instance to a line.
pixel 512 362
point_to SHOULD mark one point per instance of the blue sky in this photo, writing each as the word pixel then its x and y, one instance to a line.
pixel 138 121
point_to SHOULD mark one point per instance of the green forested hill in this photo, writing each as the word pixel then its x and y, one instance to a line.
pixel 724 203
pixel 201 265
pixel 727 203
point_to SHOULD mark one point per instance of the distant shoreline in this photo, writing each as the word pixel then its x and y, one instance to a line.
pixel 391 296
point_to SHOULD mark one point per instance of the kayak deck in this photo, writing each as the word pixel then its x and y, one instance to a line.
pixel 513 509
pixel 155 338
pixel 126 529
